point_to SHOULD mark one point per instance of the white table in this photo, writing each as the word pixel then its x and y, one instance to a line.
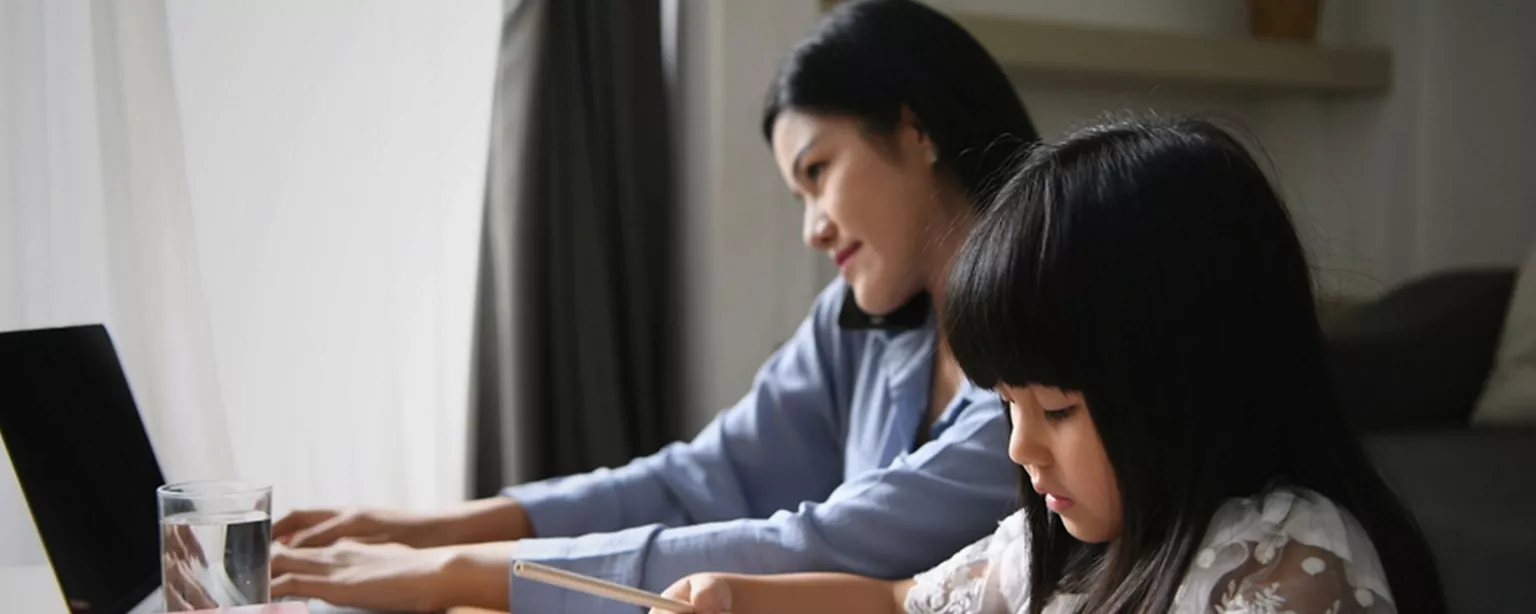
pixel 34 590
pixel 31 589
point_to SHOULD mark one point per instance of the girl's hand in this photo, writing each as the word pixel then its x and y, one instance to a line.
pixel 709 594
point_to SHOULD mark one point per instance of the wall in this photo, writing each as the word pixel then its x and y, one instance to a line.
pixel 1434 174
pixel 1306 139
pixel 1383 188
pixel 749 279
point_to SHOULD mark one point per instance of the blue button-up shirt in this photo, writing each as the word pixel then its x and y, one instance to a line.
pixel 817 468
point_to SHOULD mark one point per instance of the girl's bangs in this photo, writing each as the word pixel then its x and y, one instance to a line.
pixel 1011 314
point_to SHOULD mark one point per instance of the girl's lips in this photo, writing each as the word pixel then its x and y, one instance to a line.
pixel 1054 502
pixel 1057 504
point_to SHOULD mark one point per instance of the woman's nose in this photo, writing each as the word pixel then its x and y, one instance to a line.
pixel 818 231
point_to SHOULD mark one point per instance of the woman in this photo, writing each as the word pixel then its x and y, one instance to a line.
pixel 886 123
pixel 1139 298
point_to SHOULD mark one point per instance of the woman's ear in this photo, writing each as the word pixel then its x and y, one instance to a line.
pixel 910 132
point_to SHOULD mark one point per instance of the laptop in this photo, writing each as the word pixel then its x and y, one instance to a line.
pixel 86 467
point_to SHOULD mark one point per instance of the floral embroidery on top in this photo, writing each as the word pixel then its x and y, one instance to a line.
pixel 1284 551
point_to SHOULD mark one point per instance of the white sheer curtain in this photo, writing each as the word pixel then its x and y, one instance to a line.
pixel 96 225
pixel 336 153
pixel 274 208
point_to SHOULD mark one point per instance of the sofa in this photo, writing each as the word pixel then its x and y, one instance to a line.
pixel 1409 367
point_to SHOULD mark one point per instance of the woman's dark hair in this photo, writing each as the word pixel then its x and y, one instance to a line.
pixel 1150 266
pixel 870 58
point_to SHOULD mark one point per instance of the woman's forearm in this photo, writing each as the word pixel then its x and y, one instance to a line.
pixel 815 593
pixel 478 576
pixel 494 519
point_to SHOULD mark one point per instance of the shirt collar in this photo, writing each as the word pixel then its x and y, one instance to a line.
pixel 914 314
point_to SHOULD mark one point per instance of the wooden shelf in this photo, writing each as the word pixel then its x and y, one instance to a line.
pixel 1041 47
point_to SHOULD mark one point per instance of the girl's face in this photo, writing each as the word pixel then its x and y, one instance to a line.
pixel 1055 441
pixel 872 204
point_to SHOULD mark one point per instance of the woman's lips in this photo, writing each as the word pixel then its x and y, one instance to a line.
pixel 844 254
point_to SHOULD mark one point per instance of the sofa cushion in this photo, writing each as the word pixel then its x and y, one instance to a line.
pixel 1418 356
pixel 1510 396
pixel 1471 491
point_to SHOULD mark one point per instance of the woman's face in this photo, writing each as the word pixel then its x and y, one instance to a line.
pixel 1055 441
pixel 873 204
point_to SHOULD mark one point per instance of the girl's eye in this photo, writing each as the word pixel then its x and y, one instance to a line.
pixel 1057 415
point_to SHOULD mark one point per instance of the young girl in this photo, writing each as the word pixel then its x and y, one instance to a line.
pixel 1139 299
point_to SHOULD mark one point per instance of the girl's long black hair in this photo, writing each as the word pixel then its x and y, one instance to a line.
pixel 1150 265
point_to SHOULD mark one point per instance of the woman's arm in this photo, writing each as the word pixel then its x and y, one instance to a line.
pixel 803 593
pixel 778 446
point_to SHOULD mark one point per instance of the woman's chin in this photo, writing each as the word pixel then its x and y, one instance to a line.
pixel 875 300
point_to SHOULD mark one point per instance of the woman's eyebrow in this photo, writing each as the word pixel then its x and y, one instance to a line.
pixel 800 155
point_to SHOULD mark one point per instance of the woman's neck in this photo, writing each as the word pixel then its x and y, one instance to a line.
pixel 942 258
pixel 946 372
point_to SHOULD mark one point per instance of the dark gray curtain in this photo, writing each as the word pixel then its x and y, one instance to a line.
pixel 575 364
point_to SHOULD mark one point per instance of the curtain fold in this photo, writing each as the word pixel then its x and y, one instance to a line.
pixel 273 209
pixel 96 222
pixel 575 358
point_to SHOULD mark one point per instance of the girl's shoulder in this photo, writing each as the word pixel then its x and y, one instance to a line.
pixel 1287 544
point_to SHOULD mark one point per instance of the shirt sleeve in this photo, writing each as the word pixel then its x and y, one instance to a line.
pixel 1288 551
pixel 1296 577
pixel 983 578
pixel 781 444
pixel 887 523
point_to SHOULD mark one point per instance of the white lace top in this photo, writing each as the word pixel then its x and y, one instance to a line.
pixel 1290 550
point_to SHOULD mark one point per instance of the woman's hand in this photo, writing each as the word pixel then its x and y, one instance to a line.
pixel 317 528
pixel 487 520
pixel 393 577
pixel 709 594
pixel 181 589
pixel 178 566
pixel 369 576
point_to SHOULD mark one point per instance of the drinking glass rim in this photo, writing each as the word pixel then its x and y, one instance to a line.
pixel 205 489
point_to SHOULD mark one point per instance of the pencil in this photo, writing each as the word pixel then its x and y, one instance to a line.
pixel 594 586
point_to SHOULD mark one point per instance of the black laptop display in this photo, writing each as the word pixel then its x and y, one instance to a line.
pixel 85 465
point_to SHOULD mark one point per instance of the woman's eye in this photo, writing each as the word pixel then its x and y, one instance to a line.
pixel 1056 415
pixel 813 171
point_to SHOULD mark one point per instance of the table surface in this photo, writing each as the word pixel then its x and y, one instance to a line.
pixel 34 590
pixel 31 589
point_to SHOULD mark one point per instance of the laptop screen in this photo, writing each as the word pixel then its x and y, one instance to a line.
pixel 84 463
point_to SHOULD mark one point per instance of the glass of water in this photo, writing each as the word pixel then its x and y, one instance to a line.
pixel 215 544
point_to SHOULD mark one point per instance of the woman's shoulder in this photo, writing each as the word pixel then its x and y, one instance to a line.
pixel 1261 536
